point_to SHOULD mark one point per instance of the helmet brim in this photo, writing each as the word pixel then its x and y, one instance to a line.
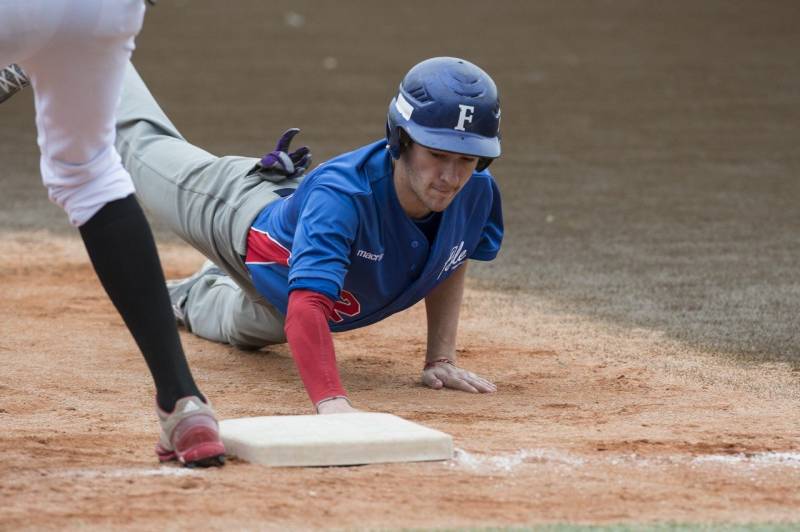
pixel 453 141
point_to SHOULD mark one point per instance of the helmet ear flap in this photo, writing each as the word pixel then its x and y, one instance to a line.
pixel 483 164
pixel 405 140
pixel 397 140
pixel 392 139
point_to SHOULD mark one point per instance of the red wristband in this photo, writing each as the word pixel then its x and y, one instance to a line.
pixel 429 365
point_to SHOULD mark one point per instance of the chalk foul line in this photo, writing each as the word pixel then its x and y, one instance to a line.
pixel 510 461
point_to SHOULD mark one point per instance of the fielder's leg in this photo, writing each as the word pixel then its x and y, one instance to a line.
pixel 83 173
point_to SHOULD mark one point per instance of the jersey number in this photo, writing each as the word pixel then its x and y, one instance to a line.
pixel 347 305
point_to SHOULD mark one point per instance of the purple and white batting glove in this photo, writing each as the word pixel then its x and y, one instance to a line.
pixel 281 161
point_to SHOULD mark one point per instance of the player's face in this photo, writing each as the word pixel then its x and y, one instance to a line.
pixel 428 180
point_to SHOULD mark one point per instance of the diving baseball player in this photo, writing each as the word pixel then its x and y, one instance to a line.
pixel 362 236
pixel 74 55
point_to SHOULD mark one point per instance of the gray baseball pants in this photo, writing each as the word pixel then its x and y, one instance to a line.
pixel 208 201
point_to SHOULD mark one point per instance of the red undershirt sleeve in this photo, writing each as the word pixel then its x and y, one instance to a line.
pixel 311 343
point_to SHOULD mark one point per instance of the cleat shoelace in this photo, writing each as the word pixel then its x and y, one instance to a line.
pixel 12 79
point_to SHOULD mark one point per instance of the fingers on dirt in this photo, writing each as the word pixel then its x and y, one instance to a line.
pixel 432 382
pixel 484 385
pixel 460 384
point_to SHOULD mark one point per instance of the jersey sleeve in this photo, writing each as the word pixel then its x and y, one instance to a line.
pixel 311 344
pixel 492 234
pixel 325 231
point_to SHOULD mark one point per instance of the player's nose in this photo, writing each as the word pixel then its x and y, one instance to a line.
pixel 450 175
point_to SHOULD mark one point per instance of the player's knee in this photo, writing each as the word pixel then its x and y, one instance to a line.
pixel 82 190
pixel 250 335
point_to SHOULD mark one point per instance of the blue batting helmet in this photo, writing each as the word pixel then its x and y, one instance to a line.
pixel 447 104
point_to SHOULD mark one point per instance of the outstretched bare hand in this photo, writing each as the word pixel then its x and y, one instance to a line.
pixel 335 405
pixel 445 374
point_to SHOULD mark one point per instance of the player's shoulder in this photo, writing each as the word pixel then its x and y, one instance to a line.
pixel 352 172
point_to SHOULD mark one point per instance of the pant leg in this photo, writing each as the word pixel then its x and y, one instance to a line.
pixel 76 72
pixel 26 26
pixel 210 202
pixel 217 309
pixel 75 54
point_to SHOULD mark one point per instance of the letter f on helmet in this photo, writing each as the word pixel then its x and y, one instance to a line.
pixel 463 116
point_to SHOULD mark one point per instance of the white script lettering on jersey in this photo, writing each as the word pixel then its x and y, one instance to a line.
pixel 369 256
pixel 457 257
pixel 464 117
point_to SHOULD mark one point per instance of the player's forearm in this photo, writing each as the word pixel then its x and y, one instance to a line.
pixel 311 343
pixel 442 306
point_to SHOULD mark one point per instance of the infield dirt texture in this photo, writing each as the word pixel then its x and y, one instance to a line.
pixel 642 322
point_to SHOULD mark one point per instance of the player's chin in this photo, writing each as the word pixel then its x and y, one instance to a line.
pixel 438 206
pixel 439 201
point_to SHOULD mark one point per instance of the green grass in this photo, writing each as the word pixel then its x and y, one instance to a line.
pixel 660 527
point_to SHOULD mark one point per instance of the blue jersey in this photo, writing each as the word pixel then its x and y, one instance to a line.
pixel 344 234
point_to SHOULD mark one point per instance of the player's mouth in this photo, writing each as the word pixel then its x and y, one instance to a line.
pixel 443 191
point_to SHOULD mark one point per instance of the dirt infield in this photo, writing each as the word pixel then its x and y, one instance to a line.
pixel 591 423
pixel 642 321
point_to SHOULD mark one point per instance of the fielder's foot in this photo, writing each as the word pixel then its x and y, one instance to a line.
pixel 179 290
pixel 12 80
pixel 190 434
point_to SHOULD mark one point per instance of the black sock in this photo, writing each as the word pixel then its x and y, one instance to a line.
pixel 124 255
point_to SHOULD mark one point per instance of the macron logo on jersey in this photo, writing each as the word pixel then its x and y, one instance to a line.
pixel 458 255
pixel 369 256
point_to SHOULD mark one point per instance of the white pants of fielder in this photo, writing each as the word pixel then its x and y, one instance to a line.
pixel 74 53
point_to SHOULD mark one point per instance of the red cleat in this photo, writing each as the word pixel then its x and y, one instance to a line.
pixel 190 434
